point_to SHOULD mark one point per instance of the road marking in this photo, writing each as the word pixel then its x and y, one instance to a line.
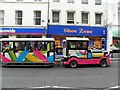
pixel 42 87
pixel 50 87
pixel 114 87
pixel 114 61
pixel 60 87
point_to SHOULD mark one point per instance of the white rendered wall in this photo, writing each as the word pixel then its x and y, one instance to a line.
pixel 112 21
pixel 28 7
pixel 63 6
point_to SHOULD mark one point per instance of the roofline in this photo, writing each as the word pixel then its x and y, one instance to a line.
pixel 77 39
pixel 27 39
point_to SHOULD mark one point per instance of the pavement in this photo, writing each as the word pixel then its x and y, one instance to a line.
pixel 81 78
pixel 116 57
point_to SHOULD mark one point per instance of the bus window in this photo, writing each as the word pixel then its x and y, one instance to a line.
pixel 72 45
pixel 28 46
pixel 84 45
pixel 5 46
pixel 52 45
pixel 79 45
pixel 19 46
pixel 39 45
pixel 64 44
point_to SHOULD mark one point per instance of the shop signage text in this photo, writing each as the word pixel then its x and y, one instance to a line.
pixel 85 31
pixel 7 31
pixel 67 30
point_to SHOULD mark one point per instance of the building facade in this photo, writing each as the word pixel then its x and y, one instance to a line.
pixel 78 18
pixel 95 19
pixel 23 18
pixel 113 22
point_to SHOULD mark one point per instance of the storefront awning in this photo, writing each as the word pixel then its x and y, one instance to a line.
pixel 68 30
pixel 22 30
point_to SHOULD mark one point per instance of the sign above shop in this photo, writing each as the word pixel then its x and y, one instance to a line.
pixel 77 30
pixel 22 30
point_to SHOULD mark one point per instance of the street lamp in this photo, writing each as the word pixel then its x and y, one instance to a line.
pixel 48 19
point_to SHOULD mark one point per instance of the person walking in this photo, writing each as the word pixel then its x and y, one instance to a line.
pixel 111 51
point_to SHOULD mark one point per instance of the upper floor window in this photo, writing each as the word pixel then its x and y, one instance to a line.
pixel 84 1
pixel 37 17
pixel 18 17
pixel 70 1
pixel 1 17
pixel 70 17
pixel 119 6
pixel 98 2
pixel 85 17
pixel 38 0
pixel 55 16
pixel 98 18
pixel 56 0
pixel 19 0
pixel 2 0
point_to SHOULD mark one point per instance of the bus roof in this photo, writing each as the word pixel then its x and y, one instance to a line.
pixel 27 39
pixel 77 39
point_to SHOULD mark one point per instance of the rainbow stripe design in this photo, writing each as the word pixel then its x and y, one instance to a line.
pixel 78 53
pixel 25 56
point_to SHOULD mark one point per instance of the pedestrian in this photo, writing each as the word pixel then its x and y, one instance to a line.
pixel 111 51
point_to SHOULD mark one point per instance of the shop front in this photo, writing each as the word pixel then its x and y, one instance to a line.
pixel 96 35
pixel 11 32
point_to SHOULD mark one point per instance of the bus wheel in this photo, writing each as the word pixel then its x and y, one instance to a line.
pixel 73 64
pixel 103 63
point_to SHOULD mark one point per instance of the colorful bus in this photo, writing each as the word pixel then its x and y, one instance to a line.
pixel 27 51
pixel 76 53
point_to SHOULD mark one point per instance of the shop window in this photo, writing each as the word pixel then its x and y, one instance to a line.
pixel 70 17
pixel 98 18
pixel 1 17
pixel 84 18
pixel 5 36
pixel 18 17
pixel 55 16
pixel 84 1
pixel 37 17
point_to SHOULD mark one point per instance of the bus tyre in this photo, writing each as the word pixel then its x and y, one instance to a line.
pixel 73 64
pixel 103 63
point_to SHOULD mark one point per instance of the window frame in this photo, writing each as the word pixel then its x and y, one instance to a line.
pixel 19 0
pixel 56 0
pixel 38 0
pixel 84 2
pixel 37 17
pixel 17 17
pixel 2 16
pixel 70 1
pixel 71 20
pixel 56 18
pixel 86 21
pixel 100 20
pixel 98 2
